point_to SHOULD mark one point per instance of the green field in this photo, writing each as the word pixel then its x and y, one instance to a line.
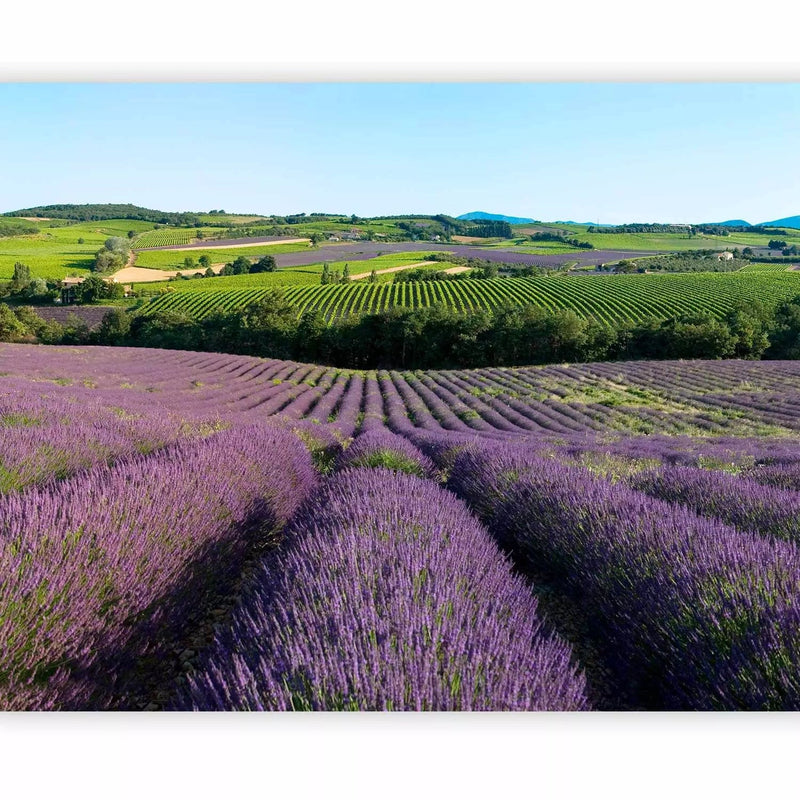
pixel 607 298
pixel 300 276
pixel 668 241
pixel 543 248
pixel 168 237
pixel 55 252
pixel 173 259
pixel 226 283
pixel 761 268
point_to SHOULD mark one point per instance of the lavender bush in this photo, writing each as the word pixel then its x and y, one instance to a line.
pixel 733 499
pixel 99 571
pixel 382 448
pixel 388 596
pixel 694 614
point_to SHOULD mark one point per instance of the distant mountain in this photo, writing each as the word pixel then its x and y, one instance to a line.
pixel 478 215
pixel 786 222
pixel 572 222
pixel 732 223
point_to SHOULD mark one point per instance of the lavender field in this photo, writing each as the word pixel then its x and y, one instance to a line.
pixel 361 251
pixel 196 531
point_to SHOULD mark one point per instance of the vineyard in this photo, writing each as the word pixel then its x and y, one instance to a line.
pixel 200 531
pixel 165 237
pixel 767 267
pixel 607 298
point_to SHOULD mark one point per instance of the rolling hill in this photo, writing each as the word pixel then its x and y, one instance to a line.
pixel 483 215
pixel 785 222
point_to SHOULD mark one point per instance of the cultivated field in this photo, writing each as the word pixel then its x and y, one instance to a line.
pixel 224 532
pixel 170 237
pixel 385 266
pixel 171 259
pixel 57 252
pixel 607 298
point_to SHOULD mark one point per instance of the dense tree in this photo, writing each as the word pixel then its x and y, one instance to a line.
pixel 434 336
pixel 241 266
pixel 11 329
pixel 264 264
pixel 21 277
pixel 94 289
pixel 99 211
pixel 785 334
pixel 114 327
pixel 113 256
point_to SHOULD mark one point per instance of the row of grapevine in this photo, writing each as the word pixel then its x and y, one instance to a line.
pixel 165 237
pixel 607 299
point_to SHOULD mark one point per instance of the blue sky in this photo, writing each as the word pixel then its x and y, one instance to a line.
pixel 581 151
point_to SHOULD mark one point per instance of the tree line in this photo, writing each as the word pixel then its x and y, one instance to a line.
pixel 91 212
pixel 433 337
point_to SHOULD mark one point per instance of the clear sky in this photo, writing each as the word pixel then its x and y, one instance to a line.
pixel 581 151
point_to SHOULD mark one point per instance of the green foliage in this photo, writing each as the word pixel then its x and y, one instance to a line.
pixel 101 211
pixel 11 329
pixel 94 289
pixel 608 299
pixel 489 229
pixel 785 337
pixel 438 337
pixel 114 327
pixel 689 261
pixel 113 256
pixel 17 228
pixel 264 264
pixel 22 276
pixel 544 236
pixel 389 459
pixel 109 261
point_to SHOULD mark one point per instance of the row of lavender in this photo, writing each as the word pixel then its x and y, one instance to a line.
pixel 699 399
pixel 687 612
pixel 44 437
pixel 387 594
pixel 103 572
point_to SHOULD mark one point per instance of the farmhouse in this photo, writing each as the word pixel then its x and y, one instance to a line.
pixel 726 256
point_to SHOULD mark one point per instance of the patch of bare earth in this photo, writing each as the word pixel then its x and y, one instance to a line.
pixel 145 275
pixel 210 246
pixel 390 269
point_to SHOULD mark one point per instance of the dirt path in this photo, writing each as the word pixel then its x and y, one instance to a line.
pixel 456 270
pixel 390 269
pixel 132 274
pixel 233 246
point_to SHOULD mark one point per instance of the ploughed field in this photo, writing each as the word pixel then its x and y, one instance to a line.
pixel 201 531
pixel 607 298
